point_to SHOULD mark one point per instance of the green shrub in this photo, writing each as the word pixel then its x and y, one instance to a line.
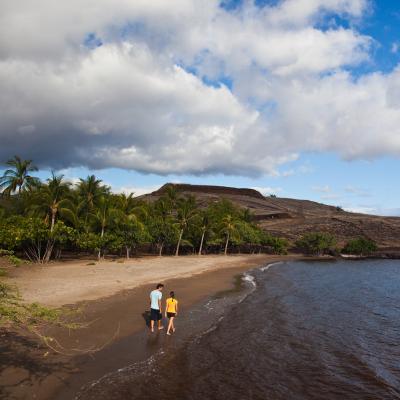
pixel 13 310
pixel 38 313
pixel 4 252
pixel 5 290
pixel 14 260
pixel 277 244
pixel 316 243
pixel 360 246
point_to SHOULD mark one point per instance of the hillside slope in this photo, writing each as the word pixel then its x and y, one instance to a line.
pixel 291 218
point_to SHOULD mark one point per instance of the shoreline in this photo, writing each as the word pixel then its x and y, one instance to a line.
pixel 120 312
pixel 141 345
pixel 69 283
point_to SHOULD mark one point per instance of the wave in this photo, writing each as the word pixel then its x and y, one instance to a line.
pixel 213 310
pixel 250 279
pixel 267 267
pixel 95 388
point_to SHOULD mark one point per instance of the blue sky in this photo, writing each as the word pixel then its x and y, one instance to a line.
pixel 296 98
pixel 383 25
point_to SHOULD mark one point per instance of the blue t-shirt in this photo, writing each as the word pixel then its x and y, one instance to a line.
pixel 155 295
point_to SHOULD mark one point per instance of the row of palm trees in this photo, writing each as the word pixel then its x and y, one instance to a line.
pixel 89 216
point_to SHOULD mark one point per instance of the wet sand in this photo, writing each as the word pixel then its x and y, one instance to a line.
pixel 30 370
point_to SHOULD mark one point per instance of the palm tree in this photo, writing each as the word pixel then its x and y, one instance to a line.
pixel 54 197
pixel 246 215
pixel 229 228
pixel 128 213
pixel 162 223
pixel 172 196
pixel 205 225
pixel 51 199
pixel 104 214
pixel 128 208
pixel 186 212
pixel 17 177
pixel 89 191
pixel 128 205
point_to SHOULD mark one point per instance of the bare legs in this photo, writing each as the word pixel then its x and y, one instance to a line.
pixel 152 325
pixel 171 325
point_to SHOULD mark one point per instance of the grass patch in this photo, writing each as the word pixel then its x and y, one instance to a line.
pixel 14 260
pixel 38 313
pixel 6 252
pixel 91 263
pixel 33 317
pixel 13 310
pixel 3 272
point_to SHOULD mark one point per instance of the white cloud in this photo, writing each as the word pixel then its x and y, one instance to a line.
pixel 374 210
pixel 301 170
pixel 322 189
pixel 395 47
pixel 331 196
pixel 326 192
pixel 136 190
pixel 131 103
pixel 266 191
pixel 354 190
pixel 361 210
pixel 26 129
pixel 301 12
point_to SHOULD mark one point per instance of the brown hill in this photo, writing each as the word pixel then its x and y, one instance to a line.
pixel 291 218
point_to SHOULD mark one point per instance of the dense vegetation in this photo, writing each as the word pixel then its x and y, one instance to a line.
pixel 320 243
pixel 360 246
pixel 317 243
pixel 42 220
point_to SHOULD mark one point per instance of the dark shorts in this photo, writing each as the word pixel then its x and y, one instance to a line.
pixel 171 314
pixel 155 315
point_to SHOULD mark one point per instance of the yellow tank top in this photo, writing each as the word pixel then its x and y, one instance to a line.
pixel 171 305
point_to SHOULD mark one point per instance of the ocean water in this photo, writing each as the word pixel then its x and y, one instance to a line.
pixel 298 330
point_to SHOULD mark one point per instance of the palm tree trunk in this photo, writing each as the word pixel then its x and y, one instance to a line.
pixel 53 219
pixel 161 249
pixel 179 243
pixel 127 252
pixel 201 242
pixel 226 244
pixel 49 250
pixel 102 234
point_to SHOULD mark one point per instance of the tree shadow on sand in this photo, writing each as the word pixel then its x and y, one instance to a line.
pixel 23 362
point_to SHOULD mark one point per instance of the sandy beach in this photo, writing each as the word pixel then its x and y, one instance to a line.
pixel 112 297
pixel 64 283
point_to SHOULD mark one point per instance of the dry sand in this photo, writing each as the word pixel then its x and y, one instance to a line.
pixel 64 283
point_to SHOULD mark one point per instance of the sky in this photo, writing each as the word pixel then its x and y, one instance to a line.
pixel 299 98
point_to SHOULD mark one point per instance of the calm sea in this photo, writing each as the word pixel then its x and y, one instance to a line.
pixel 301 330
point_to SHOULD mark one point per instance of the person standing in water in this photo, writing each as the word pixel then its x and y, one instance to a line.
pixel 155 307
pixel 171 311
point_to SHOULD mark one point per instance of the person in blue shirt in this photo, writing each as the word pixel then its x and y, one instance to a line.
pixel 155 307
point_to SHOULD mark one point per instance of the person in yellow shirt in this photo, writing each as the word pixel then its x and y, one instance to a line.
pixel 171 311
